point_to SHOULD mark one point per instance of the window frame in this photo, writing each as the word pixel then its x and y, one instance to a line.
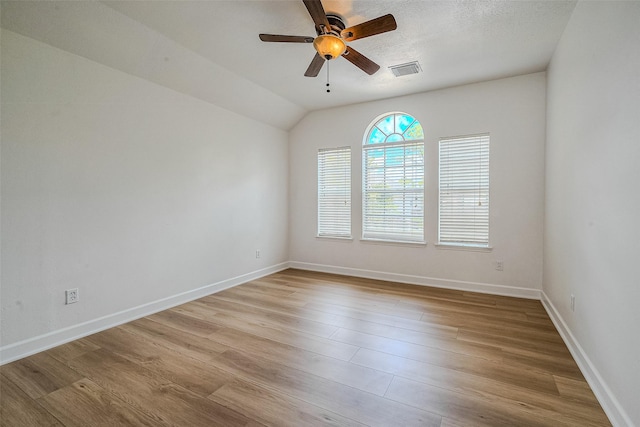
pixel 473 180
pixel 385 232
pixel 330 220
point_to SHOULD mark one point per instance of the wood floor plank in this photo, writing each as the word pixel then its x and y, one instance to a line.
pixel 473 365
pixel 275 409
pixel 514 343
pixel 414 325
pixel 471 320
pixel 268 290
pixel 551 405
pixel 277 319
pixel 364 303
pixel 380 322
pixel 184 323
pixel 151 393
pixel 189 345
pixel 543 362
pixel 39 374
pixel 427 333
pixel 19 409
pixel 71 350
pixel 333 291
pixel 512 328
pixel 576 390
pixel 554 359
pixel 462 307
pixel 311 343
pixel 469 410
pixel 449 422
pixel 400 290
pixel 192 374
pixel 363 407
pixel 85 403
pixel 275 304
pixel 237 306
pixel 485 351
pixel 304 341
pixel 299 348
pixel 356 376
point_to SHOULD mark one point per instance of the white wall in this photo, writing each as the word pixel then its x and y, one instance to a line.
pixel 512 110
pixel 125 189
pixel 592 237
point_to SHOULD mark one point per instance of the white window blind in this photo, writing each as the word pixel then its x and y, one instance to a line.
pixel 464 191
pixel 334 192
pixel 393 196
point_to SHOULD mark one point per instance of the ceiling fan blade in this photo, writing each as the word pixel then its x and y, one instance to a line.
pixel 370 28
pixel 360 61
pixel 285 39
pixel 318 15
pixel 314 68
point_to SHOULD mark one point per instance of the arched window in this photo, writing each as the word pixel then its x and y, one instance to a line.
pixel 393 179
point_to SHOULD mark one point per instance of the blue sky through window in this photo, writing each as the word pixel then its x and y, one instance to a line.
pixel 395 128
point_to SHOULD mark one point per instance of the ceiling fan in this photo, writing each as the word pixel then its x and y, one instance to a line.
pixel 332 36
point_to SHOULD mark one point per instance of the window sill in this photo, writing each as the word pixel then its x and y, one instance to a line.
pixel 338 238
pixel 454 247
pixel 393 242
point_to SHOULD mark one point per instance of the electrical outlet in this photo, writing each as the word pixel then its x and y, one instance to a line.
pixel 500 265
pixel 71 296
pixel 257 253
pixel 573 302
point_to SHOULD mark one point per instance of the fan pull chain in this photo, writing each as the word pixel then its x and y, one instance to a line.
pixel 328 90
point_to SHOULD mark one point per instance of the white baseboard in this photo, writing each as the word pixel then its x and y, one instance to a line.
pixel 486 288
pixel 608 401
pixel 30 346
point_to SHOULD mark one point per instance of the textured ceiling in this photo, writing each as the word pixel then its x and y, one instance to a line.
pixel 210 49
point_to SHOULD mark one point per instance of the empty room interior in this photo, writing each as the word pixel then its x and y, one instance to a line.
pixel 305 213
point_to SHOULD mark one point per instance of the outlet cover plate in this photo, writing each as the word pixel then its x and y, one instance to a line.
pixel 71 296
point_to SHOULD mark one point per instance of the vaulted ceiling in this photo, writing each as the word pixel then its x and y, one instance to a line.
pixel 210 49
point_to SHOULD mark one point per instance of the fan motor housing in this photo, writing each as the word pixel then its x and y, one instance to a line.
pixel 337 24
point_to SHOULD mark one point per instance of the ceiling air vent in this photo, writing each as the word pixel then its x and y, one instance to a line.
pixel 405 69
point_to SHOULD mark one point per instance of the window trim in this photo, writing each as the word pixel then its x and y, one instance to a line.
pixel 484 141
pixel 386 237
pixel 459 247
pixel 343 170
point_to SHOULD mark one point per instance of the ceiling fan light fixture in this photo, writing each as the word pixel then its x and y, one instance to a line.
pixel 333 37
pixel 329 46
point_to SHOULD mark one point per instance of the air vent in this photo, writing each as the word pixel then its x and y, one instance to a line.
pixel 405 69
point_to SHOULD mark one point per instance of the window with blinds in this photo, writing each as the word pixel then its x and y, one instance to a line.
pixel 393 180
pixel 334 192
pixel 464 191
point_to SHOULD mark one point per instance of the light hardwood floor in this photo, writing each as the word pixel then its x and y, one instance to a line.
pixel 308 349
